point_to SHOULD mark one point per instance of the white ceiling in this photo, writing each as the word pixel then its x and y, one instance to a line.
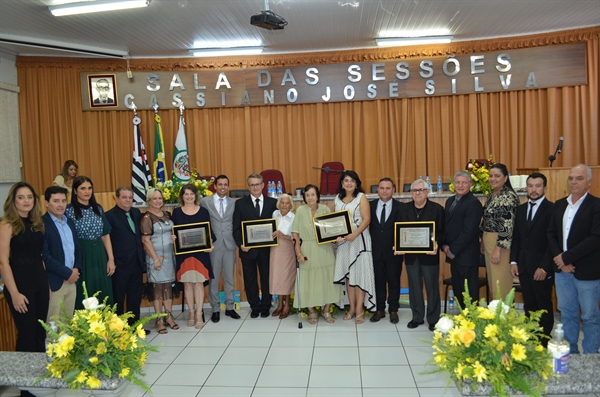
pixel 168 28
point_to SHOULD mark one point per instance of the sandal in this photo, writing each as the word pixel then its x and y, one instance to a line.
pixel 328 317
pixel 192 320
pixel 200 322
pixel 348 316
pixel 312 318
pixel 160 326
pixel 360 318
pixel 171 321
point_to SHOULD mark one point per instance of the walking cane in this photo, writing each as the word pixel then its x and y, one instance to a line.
pixel 298 286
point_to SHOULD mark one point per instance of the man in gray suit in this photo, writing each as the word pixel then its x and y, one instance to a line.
pixel 220 207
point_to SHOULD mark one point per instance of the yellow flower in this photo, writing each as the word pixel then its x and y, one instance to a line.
pixel 519 333
pixel 97 327
pixel 93 360
pixel 490 330
pixel 506 361
pixel 459 370
pixel 101 348
pixel 142 359
pixel 49 349
pixel 437 335
pixel 63 347
pixel 480 372
pixel 116 324
pixel 518 352
pixel 140 332
pixel 81 377
pixel 93 382
pixel 539 348
pixel 93 316
pixel 453 338
pixel 501 346
pixel 124 372
pixel 466 324
pixel 486 314
pixel 466 336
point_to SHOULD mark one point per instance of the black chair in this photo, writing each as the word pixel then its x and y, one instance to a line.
pixel 406 188
pixel 483 282
pixel 238 193
pixel 374 188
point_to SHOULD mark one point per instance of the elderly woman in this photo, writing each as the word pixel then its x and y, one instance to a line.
pixel 496 230
pixel 194 270
pixel 317 261
pixel 282 265
pixel 67 175
pixel 353 259
pixel 26 284
pixel 156 227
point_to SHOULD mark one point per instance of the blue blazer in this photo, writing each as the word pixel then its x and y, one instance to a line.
pixel 54 255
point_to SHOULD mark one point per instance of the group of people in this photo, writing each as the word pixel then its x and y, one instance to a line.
pixel 45 259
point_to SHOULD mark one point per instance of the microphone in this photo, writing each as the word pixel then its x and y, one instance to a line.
pixel 560 143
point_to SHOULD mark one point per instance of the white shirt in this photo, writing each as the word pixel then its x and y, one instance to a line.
pixel 568 217
pixel 261 201
pixel 284 223
pixel 537 202
pixel 388 208
pixel 217 201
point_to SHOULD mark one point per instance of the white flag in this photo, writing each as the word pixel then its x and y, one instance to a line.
pixel 181 165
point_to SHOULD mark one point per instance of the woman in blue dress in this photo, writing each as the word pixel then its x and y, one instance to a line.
pixel 93 233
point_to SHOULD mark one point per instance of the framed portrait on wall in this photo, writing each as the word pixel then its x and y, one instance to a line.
pixel 102 90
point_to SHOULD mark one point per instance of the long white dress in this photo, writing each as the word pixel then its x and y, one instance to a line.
pixel 353 259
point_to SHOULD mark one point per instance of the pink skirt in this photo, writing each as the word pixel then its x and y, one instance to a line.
pixel 282 270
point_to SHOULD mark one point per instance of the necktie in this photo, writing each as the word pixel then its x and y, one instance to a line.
pixel 382 220
pixel 131 224
pixel 221 210
pixel 257 206
pixel 453 204
pixel 530 215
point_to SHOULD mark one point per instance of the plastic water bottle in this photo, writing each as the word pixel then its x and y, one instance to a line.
pixel 440 187
pixel 271 188
pixel 428 182
pixel 451 299
pixel 279 188
pixel 560 350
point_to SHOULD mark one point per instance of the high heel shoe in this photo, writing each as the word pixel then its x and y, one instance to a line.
pixel 200 320
pixel 191 320
pixel 160 326
pixel 171 321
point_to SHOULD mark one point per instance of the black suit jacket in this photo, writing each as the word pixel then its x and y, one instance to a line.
pixel 530 245
pixel 431 212
pixel 245 211
pixel 382 236
pixel 583 240
pixel 127 245
pixel 54 254
pixel 461 230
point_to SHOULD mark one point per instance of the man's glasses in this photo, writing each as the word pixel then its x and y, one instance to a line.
pixel 418 191
pixel 255 185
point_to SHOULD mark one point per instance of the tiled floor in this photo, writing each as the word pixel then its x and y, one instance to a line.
pixel 272 357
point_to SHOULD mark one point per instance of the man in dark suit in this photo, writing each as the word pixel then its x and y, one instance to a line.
pixel 128 251
pixel 249 208
pixel 387 266
pixel 574 242
pixel 529 255
pixel 221 208
pixel 424 268
pixel 461 237
pixel 61 252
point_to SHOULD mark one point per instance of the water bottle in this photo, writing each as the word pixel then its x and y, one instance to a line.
pixel 279 188
pixel 50 338
pixel 559 349
pixel 270 189
pixel 428 182
pixel 439 185
pixel 451 300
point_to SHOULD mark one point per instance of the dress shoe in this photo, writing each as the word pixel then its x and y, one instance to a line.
pixel 216 316
pixel 264 313
pixel 233 314
pixel 432 327
pixel 414 324
pixel 379 314
pixel 277 312
pixel 254 313
pixel 394 318
pixel 146 331
pixel 284 314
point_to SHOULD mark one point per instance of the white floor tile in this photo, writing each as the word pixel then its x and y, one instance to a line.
pixel 330 339
pixel 391 339
pixel 327 376
pixel 388 376
pixel 418 354
pixel 339 326
pixel 382 325
pixel 153 372
pixel 290 324
pixel 425 379
pixel 226 324
pixel 334 392
pixel 166 355
pixel 289 339
pixel 251 339
pixel 175 391
pixel 200 355
pixel 280 376
pixel 173 338
pixel 212 391
pixel 413 338
pixel 244 356
pixel 234 376
pixel 382 356
pixel 390 392
pixel 185 375
pixel 335 356
pixel 289 356
pixel 279 392
pixel 212 339
pixel 260 325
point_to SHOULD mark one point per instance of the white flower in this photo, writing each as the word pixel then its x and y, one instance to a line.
pixel 444 325
pixel 493 306
pixel 470 165
pixel 91 303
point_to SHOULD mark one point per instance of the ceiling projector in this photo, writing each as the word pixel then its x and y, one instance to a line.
pixel 268 20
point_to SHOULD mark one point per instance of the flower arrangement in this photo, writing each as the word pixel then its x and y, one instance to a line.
pixel 171 189
pixel 97 342
pixel 480 175
pixel 497 344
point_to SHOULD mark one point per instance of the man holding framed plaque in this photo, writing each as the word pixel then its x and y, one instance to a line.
pixel 422 268
pixel 254 207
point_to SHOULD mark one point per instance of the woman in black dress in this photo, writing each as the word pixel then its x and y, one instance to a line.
pixel 25 281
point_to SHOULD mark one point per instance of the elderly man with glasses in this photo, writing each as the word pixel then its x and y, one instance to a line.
pixel 425 267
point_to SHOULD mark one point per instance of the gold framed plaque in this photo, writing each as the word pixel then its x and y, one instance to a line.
pixel 192 237
pixel 414 237
pixel 329 227
pixel 259 233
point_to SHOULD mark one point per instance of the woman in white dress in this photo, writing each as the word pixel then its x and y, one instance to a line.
pixel 354 261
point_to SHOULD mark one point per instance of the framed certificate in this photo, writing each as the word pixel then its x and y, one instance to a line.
pixel 192 237
pixel 414 237
pixel 330 226
pixel 259 233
